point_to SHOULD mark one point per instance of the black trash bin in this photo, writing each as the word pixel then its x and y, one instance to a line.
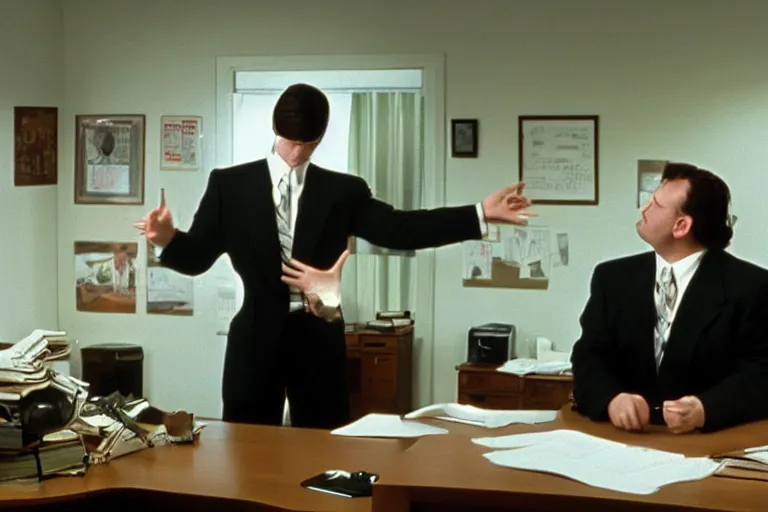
pixel 111 367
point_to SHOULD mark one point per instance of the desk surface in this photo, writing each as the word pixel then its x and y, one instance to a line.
pixel 264 465
pixel 254 464
pixel 442 469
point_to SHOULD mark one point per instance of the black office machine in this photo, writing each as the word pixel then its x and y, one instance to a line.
pixel 492 343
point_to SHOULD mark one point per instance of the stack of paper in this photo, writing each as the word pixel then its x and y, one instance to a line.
pixel 753 459
pixel 488 418
pixel 595 461
pixel 387 425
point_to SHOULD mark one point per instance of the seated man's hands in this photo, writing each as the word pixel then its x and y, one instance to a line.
pixel 629 412
pixel 684 415
pixel 321 288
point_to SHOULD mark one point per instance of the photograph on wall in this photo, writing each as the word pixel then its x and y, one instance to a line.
pixel 648 179
pixel 35 146
pixel 181 143
pixel 109 159
pixel 105 276
pixel 168 292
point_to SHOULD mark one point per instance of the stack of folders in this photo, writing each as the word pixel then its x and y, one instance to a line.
pixel 750 464
pixel 391 321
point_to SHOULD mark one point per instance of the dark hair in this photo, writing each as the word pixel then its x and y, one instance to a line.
pixel 301 113
pixel 708 203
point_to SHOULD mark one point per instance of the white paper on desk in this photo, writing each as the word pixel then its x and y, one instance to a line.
pixel 489 418
pixel 758 457
pixel 387 425
pixel 527 366
pixel 601 463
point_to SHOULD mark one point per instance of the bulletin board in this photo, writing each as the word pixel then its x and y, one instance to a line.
pixel 521 258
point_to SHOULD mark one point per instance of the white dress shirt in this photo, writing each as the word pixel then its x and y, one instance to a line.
pixel 683 271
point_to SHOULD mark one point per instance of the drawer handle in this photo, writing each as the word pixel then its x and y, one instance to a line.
pixel 375 344
pixel 477 398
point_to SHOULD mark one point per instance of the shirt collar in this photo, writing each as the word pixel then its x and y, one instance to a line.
pixel 681 267
pixel 278 168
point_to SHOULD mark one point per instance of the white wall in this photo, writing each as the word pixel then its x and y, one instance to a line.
pixel 31 62
pixel 680 80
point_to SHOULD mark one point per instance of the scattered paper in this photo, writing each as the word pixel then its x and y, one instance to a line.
pixel 597 462
pixel 387 425
pixel 526 366
pixel 546 353
pixel 489 418
pixel 560 250
pixel 478 260
pixel 530 249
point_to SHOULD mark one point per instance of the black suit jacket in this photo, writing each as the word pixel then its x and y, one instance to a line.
pixel 236 216
pixel 717 348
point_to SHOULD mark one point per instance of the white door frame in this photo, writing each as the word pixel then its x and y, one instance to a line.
pixel 433 89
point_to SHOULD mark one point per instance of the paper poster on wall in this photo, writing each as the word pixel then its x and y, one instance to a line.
pixel 523 258
pixel 168 292
pixel 105 277
pixel 181 143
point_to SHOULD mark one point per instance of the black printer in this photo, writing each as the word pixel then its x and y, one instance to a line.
pixel 492 343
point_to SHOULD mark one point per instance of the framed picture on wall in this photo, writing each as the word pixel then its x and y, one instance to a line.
pixel 109 159
pixel 464 138
pixel 558 158
pixel 35 146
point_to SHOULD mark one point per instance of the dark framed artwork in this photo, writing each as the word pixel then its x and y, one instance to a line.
pixel 109 159
pixel 464 138
pixel 35 146
pixel 559 158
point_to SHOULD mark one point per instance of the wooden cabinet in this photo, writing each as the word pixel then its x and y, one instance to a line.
pixel 380 370
pixel 483 386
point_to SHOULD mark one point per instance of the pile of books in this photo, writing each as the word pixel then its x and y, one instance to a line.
pixel 50 425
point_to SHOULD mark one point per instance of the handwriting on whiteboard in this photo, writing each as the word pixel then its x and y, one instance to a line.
pixel 559 159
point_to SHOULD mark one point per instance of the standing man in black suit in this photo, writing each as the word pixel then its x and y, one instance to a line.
pixel 267 212
pixel 677 336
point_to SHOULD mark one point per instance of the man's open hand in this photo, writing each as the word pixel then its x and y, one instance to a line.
pixel 508 205
pixel 322 288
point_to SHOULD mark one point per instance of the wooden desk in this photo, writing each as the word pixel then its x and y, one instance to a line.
pixel 449 474
pixel 233 468
pixel 484 386
pixel 380 371
pixel 251 468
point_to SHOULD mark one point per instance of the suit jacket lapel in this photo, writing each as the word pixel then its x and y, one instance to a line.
pixel 701 303
pixel 313 210
pixel 265 242
pixel 645 313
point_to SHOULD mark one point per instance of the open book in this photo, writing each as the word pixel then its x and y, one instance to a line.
pixel 489 418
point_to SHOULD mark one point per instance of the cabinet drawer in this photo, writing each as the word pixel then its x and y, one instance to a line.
pixel 489 401
pixel 489 382
pixel 379 375
pixel 378 343
pixel 546 395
